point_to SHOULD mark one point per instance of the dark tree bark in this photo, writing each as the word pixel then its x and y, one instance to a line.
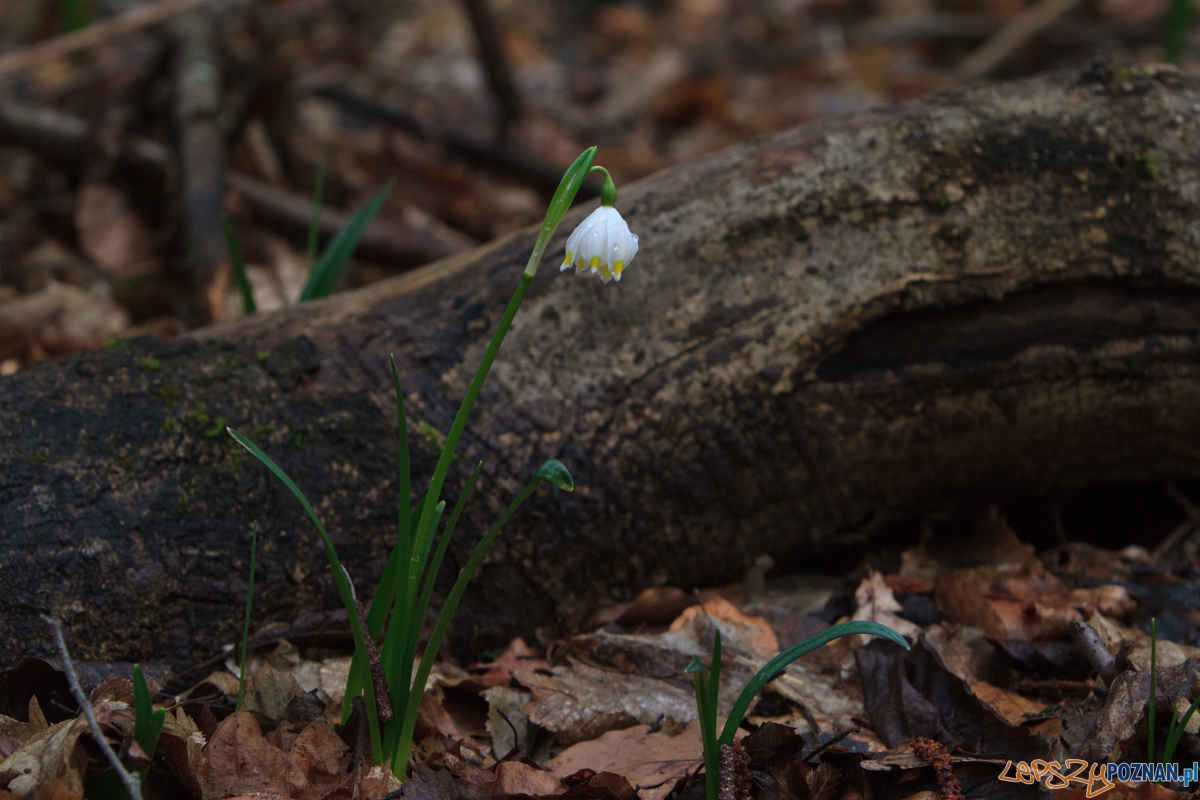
pixel 984 294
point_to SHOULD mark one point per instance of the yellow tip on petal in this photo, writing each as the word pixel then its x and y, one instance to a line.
pixel 616 269
pixel 567 260
pixel 595 262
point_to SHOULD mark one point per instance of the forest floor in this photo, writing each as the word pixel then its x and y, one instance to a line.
pixel 1023 667
pixel 108 229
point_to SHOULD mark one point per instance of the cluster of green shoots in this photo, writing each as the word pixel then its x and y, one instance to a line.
pixel 1178 724
pixel 401 600
pixel 323 269
pixel 708 684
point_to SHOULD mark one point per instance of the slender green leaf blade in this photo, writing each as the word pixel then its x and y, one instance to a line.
pixel 238 263
pixel 772 667
pixel 147 720
pixel 1178 726
pixel 404 742
pixel 325 272
pixel 340 580
pixel 1179 22
pixel 314 224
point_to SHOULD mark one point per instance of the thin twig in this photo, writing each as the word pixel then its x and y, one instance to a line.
pixel 532 170
pixel 132 785
pixel 103 32
pixel 1015 33
pixel 1173 538
pixel 1088 641
pixel 383 241
pixel 1187 505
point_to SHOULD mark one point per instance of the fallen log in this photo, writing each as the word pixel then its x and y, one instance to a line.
pixel 984 294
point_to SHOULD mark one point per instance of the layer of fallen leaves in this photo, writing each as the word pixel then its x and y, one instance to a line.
pixel 90 252
pixel 993 676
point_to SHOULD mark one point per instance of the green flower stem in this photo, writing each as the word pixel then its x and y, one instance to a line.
pixel 435 565
pixel 397 655
pixel 708 735
pixel 468 403
pixel 381 604
pixel 559 204
pixel 404 746
pixel 608 192
pixel 339 579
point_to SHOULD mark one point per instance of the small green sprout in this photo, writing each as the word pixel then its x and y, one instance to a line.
pixel 323 271
pixel 708 684
pixel 1178 724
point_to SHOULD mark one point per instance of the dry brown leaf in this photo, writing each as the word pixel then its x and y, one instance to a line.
pixel 316 762
pixel 963 649
pixel 112 234
pixel 1028 603
pixel 65 318
pixel 53 754
pixel 646 759
pixel 52 790
pixel 24 732
pixel 753 634
pixel 499 671
pixel 183 744
pixel 823 781
pixel 516 777
pixel 1113 634
pixel 1011 707
pixel 658 605
pixel 579 702
pixel 433 713
pixel 1110 600
pixel 877 603
pixel 239 760
pixel 270 690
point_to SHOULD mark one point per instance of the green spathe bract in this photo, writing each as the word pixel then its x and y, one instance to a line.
pixel 402 597
pixel 707 684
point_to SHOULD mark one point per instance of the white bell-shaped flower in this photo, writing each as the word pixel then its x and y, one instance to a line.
pixel 602 243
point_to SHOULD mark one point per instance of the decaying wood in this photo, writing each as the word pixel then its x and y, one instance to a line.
pixel 986 294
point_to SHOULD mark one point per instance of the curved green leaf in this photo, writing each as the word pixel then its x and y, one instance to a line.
pixel 772 667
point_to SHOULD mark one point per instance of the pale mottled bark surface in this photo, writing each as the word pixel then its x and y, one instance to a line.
pixel 985 294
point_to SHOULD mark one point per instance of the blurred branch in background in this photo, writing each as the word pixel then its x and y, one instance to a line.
pixel 490 39
pixel 201 146
pixel 1019 30
pixel 102 32
pixel 498 155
